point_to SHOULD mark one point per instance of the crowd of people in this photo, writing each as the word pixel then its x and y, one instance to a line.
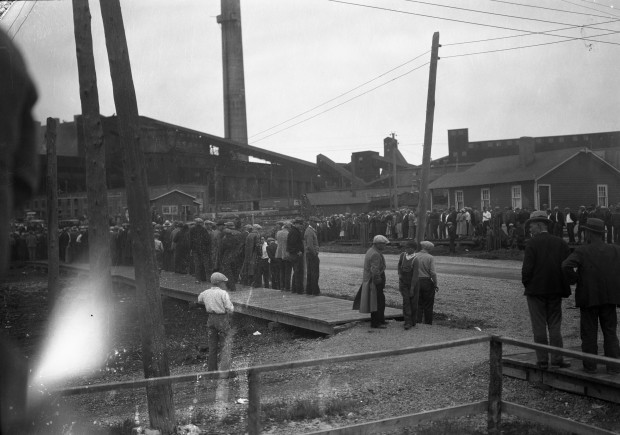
pixel 491 227
pixel 247 254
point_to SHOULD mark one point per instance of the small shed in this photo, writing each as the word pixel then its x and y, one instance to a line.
pixel 565 178
pixel 175 205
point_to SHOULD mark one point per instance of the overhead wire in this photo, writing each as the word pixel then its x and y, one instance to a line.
pixel 523 34
pixel 474 23
pixel 341 95
pixel 549 9
pixel 24 21
pixel 342 103
pixel 589 8
pixel 503 15
pixel 16 17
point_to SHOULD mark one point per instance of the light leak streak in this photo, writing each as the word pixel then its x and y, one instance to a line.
pixel 78 337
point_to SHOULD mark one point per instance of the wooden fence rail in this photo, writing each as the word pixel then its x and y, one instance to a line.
pixel 494 406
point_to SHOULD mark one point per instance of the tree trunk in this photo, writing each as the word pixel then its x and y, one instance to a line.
pixel 155 359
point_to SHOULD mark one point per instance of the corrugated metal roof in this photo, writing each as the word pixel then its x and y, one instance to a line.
pixel 497 170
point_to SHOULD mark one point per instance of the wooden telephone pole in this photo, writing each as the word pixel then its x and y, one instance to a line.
pixel 154 356
pixel 92 133
pixel 53 255
pixel 428 139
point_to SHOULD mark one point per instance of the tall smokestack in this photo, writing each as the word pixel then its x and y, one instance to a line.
pixel 235 121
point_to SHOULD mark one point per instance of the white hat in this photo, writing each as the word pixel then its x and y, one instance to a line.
pixel 218 277
pixel 380 239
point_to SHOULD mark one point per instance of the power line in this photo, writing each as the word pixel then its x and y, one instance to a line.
pixel 523 46
pixel 586 7
pixel 22 23
pixel 16 17
pixel 550 9
pixel 503 15
pixel 471 22
pixel 341 95
pixel 340 104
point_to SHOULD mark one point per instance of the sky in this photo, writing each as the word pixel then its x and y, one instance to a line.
pixel 332 78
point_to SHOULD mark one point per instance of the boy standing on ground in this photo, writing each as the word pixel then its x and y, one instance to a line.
pixel 219 308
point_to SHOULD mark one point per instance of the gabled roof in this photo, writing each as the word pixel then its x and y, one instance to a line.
pixel 498 170
pixel 173 191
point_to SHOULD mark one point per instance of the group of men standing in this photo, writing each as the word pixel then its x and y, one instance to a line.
pixel 246 255
pixel 549 269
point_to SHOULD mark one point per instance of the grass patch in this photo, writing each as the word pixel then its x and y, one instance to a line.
pixel 307 409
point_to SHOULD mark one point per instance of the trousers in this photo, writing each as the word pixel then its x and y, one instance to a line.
pixel 546 314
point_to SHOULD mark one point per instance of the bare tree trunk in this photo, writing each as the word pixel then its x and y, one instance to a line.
pixel 53 255
pixel 154 358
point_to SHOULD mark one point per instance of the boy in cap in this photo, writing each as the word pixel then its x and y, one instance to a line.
pixel 219 309
pixel 595 267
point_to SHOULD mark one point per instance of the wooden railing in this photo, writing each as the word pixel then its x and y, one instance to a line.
pixel 494 406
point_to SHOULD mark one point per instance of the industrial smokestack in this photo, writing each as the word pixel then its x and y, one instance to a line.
pixel 235 120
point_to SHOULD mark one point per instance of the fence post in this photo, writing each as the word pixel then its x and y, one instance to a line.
pixel 494 412
pixel 254 402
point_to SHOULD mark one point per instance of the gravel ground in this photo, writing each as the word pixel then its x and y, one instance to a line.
pixel 367 390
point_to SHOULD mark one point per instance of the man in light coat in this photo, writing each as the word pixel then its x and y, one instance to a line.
pixel 370 297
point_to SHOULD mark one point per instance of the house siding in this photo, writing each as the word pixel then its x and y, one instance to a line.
pixel 501 195
pixel 574 183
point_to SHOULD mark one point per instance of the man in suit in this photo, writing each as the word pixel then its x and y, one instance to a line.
pixel 557 217
pixel 545 286
pixel 595 267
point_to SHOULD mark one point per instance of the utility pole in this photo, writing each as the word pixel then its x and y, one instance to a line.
pixel 154 356
pixel 92 133
pixel 394 166
pixel 428 139
pixel 53 256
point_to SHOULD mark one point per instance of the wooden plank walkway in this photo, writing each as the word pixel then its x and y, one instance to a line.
pixel 316 313
pixel 573 379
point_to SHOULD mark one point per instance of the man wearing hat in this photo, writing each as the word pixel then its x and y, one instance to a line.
pixel 545 285
pixel 427 282
pixel 231 245
pixel 370 297
pixel 219 309
pixel 313 262
pixel 295 250
pixel 282 262
pixel 200 246
pixel 595 267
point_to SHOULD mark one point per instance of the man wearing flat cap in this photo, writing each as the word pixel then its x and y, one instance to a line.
pixel 595 268
pixel 219 309
pixel 370 297
pixel 545 286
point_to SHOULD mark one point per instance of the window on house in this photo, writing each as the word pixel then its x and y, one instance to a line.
pixel 485 198
pixel 214 150
pixel 458 199
pixel 170 209
pixel 516 197
pixel 602 195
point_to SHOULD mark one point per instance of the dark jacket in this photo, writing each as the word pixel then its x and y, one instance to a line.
pixel 294 241
pixel 541 273
pixel 597 275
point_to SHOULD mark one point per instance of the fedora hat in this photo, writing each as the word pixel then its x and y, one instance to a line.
pixel 595 225
pixel 537 216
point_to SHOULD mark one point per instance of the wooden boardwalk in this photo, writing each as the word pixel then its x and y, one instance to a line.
pixel 573 379
pixel 316 313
